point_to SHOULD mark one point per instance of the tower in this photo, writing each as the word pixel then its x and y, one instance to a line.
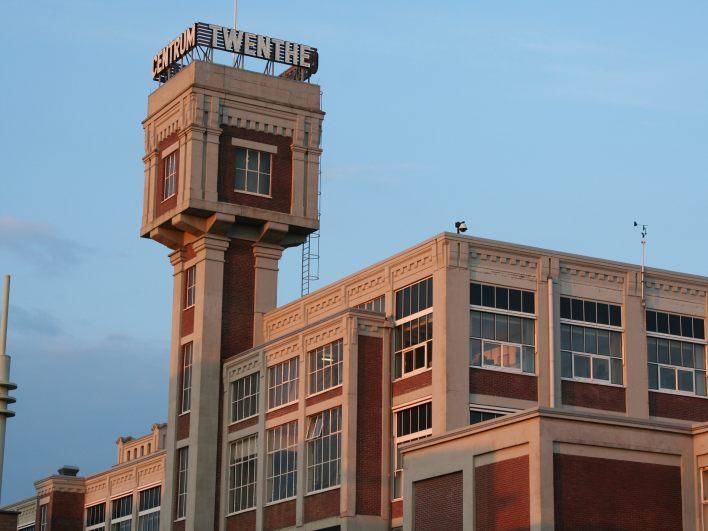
pixel 231 169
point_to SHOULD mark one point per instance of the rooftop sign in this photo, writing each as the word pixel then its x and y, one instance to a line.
pixel 169 60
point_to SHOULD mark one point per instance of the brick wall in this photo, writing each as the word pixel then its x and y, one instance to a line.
pixel 182 429
pixel 66 511
pixel 593 493
pixel 502 499
pixel 237 309
pixel 178 526
pixel 397 509
pixel 678 407
pixel 242 521
pixel 281 170
pixel 321 397
pixel 323 505
pixel 404 385
pixel 583 394
pixel 507 384
pixel 187 322
pixel 279 515
pixel 8 520
pixel 243 424
pixel 163 206
pixel 281 411
pixel 369 426
pixel 438 503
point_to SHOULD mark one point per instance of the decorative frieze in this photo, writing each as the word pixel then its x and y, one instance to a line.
pixel 413 264
pixel 588 273
pixel 324 335
pixel 282 352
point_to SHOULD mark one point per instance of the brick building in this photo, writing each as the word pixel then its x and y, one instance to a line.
pixel 463 383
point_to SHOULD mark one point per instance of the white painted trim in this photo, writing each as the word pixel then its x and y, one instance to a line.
pixel 169 149
pixel 258 146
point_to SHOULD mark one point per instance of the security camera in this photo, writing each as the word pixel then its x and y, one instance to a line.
pixel 461 226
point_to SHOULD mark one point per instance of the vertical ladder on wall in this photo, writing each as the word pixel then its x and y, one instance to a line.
pixel 311 249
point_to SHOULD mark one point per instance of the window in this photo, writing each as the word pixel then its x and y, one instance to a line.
pixel 591 353
pixel 591 312
pixel 244 397
pixel 325 367
pixel 482 413
pixel 242 474
pixel 43 518
pixel 414 298
pixel 169 185
pixel 412 423
pixel 374 305
pixel 191 287
pixel 252 171
pixel 149 509
pixel 96 517
pixel 413 346
pixel 501 341
pixel 186 377
pixel 282 383
pixel 678 366
pixel 675 325
pixel 281 467
pixel 122 513
pixel 324 449
pixel 514 300
pixel 182 469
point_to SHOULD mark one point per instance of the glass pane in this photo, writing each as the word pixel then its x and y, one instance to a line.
pixel 475 324
pixel 503 298
pixel 512 356
pixel 651 349
pixel 476 294
pixel 686 327
pixel 502 328
pixel 251 181
pixel 590 311
pixel 667 378
pixel 603 313
pixel 616 344
pixel 675 351
pixel 492 354
pixel 590 341
pixel 653 376
pixel 687 354
pixel 565 308
pixel 603 342
pixel 420 357
pixel 265 163
pixel 515 300
pixel 616 371
pixel 601 368
pixel 685 380
pixel 528 302
pixel 475 352
pixel 527 332
pixel 663 350
pixel 576 307
pixel 253 160
pixel 240 183
pixel 264 184
pixel 565 337
pixel 699 356
pixel 529 364
pixel 651 321
pixel 662 322
pixel 577 339
pixel 408 361
pixel 674 324
pixel 615 315
pixel 698 331
pixel 581 366
pixel 515 329
pixel 240 158
pixel 488 296
pixel 487 326
pixel 566 364
pixel 700 383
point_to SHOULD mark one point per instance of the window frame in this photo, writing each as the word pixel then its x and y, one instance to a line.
pixel 44 517
pixel 427 345
pixel 169 175
pixel 142 513
pixel 397 475
pixel 258 171
pixel 313 370
pixel 125 518
pixel 254 396
pixel 494 410
pixel 590 355
pixel 182 483
pixel 292 382
pixel 310 442
pixel 186 378
pixel 251 460
pixel 679 339
pixel 507 313
pixel 190 287
pixel 99 525
pixel 291 447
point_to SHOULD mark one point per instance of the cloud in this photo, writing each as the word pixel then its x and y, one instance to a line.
pixel 39 245
pixel 33 321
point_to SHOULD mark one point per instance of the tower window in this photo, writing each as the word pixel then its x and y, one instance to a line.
pixel 252 171
pixel 182 471
pixel 169 187
pixel 190 292
pixel 186 378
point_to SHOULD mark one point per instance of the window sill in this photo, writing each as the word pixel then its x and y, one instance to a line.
pixel 167 199
pixel 184 413
pixel 281 406
pixel 180 519
pixel 597 326
pixel 322 490
pixel 325 390
pixel 239 421
pixel 678 393
pixel 276 502
pixel 594 382
pixel 188 307
pixel 504 370
pixel 253 193
pixel 502 311
pixel 242 511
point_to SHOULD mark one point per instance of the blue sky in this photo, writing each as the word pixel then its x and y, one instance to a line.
pixel 547 123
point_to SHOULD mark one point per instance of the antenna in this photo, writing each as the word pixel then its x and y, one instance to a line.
pixel 5 385
pixel 643 229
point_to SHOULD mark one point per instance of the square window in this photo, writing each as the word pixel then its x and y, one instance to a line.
pixel 667 378
pixel 685 380
pixel 492 354
pixel 581 366
pixel 601 368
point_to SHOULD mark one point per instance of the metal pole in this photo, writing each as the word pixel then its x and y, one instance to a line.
pixel 5 385
pixel 644 259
